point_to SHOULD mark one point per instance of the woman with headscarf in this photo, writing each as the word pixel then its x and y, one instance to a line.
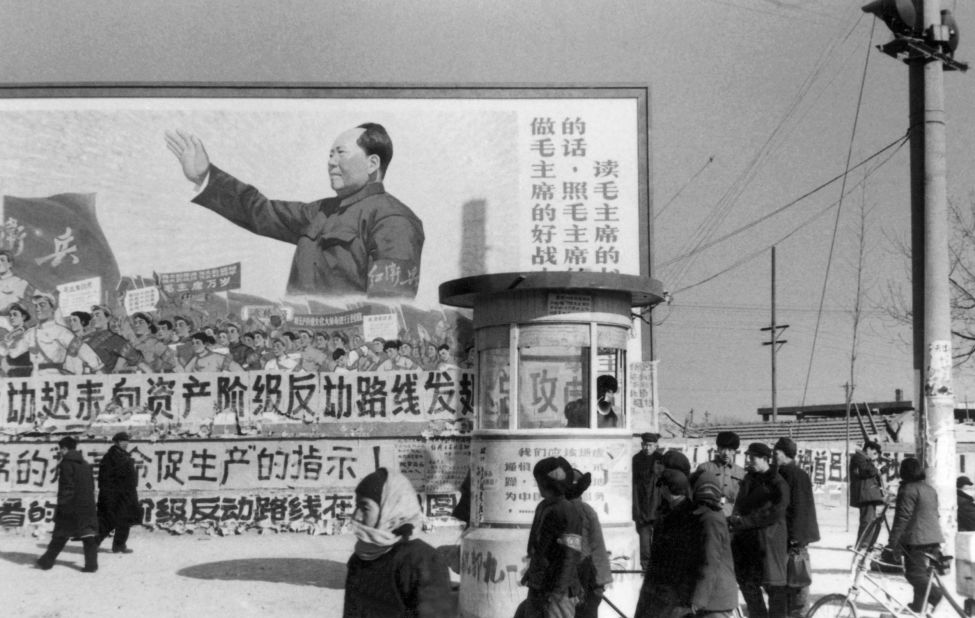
pixel 716 589
pixel 391 575
pixel 916 531
pixel 594 569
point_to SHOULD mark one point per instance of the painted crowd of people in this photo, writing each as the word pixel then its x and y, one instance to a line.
pixel 42 341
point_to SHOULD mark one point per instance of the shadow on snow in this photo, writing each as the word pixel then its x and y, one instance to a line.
pixel 300 571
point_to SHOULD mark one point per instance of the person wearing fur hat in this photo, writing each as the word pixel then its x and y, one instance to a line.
pixel 594 569
pixel 118 496
pixel 760 539
pixel 75 516
pixel 674 557
pixel 800 518
pixel 724 468
pixel 715 588
pixel 391 575
pixel 554 546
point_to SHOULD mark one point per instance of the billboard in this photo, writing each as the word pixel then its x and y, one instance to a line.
pixel 207 202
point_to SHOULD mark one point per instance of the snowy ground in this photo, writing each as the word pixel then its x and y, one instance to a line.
pixel 261 575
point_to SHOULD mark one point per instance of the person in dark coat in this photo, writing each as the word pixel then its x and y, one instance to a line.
pixel 800 519
pixel 554 546
pixel 866 486
pixel 646 468
pixel 391 575
pixel 674 558
pixel 75 516
pixel 715 589
pixel 594 570
pixel 916 531
pixel 760 538
pixel 118 496
pixel 966 505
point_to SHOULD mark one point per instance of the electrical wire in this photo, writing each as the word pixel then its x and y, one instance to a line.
pixel 839 210
pixel 681 190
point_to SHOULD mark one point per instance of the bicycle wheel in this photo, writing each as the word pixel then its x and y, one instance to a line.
pixel 833 606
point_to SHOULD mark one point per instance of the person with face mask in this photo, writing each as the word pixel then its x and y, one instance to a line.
pixel 724 468
pixel 554 546
pixel 391 575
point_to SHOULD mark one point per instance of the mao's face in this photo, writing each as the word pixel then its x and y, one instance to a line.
pixel 349 168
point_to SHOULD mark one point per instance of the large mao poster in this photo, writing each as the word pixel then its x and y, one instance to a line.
pixel 480 181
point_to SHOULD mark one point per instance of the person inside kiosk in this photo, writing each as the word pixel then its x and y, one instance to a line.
pixel 577 411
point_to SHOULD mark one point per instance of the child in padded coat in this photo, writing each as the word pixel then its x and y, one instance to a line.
pixel 391 575
pixel 554 546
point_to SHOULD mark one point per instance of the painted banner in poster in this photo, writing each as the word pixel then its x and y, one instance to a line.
pixel 218 279
pixel 335 320
pixel 53 240
pixel 141 300
pixel 79 295
pixel 200 403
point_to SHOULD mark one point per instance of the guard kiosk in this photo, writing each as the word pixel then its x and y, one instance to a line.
pixel 551 381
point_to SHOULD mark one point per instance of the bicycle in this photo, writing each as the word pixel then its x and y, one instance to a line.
pixel 845 605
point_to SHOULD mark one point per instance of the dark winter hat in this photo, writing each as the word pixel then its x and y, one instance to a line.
pixel 650 437
pixel 554 473
pixel 676 481
pixel 727 439
pixel 675 460
pixel 121 437
pixel 580 483
pixel 759 450
pixel 371 485
pixel 872 445
pixel 787 446
pixel 68 442
pixel 963 481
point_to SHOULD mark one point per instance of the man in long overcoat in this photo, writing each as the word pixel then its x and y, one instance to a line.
pixel 646 498
pixel 118 497
pixel 800 519
pixel 74 515
pixel 866 485
pixel 760 538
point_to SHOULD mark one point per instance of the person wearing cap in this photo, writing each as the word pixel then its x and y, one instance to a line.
pixel 75 516
pixel 966 504
pixel 115 351
pixel 800 518
pixel 866 485
pixel 390 574
pixel 54 349
pixel 724 468
pixel 159 356
pixel 675 556
pixel 554 546
pixel 646 468
pixel 594 570
pixel 916 533
pixel 715 588
pixel 183 327
pixel 13 348
pixel 118 495
pixel 760 537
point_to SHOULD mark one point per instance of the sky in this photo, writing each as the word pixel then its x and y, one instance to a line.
pixel 754 105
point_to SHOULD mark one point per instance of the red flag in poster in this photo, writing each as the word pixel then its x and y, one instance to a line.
pixel 57 240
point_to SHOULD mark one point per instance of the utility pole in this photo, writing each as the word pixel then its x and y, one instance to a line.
pixel 925 37
pixel 775 343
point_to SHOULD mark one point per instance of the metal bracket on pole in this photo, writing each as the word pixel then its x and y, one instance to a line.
pixel 911 48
